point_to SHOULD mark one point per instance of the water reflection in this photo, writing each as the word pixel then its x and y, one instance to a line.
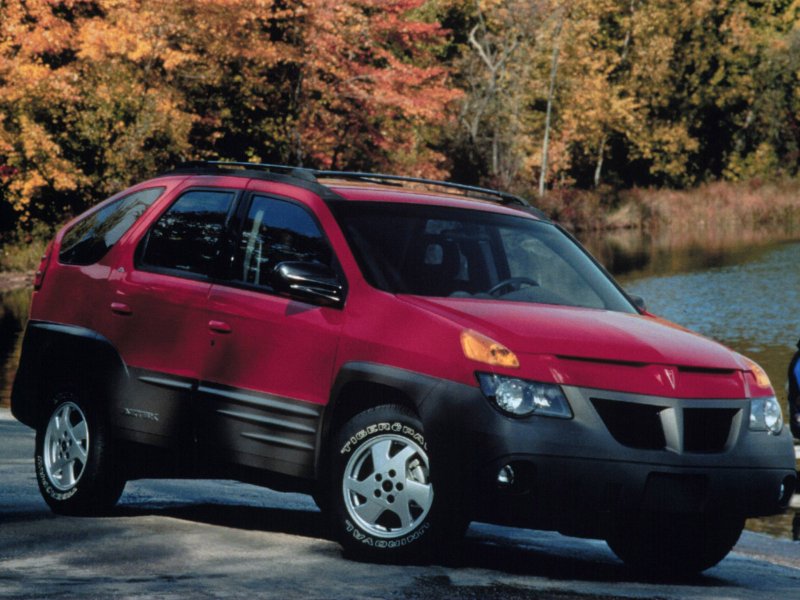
pixel 13 316
pixel 635 253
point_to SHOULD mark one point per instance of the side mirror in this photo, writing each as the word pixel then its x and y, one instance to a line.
pixel 638 302
pixel 311 282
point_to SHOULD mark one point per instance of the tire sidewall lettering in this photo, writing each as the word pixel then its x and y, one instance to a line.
pixel 383 544
pixel 382 427
pixel 46 485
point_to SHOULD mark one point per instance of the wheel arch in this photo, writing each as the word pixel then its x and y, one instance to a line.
pixel 363 385
pixel 58 356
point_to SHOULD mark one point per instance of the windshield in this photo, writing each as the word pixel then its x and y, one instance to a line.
pixel 461 253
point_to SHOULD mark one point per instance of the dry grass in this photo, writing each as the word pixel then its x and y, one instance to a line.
pixel 21 251
pixel 720 206
pixel 712 209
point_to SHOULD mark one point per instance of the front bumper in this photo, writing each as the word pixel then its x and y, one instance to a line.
pixel 619 453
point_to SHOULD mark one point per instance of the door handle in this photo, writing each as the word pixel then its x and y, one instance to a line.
pixel 219 326
pixel 120 308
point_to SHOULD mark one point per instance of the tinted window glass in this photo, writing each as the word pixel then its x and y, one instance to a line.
pixel 439 251
pixel 276 231
pixel 91 238
pixel 187 237
pixel 543 260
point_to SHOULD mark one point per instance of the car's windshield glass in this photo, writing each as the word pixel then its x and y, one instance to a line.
pixel 461 253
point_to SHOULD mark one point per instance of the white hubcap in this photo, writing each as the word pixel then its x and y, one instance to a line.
pixel 386 486
pixel 66 446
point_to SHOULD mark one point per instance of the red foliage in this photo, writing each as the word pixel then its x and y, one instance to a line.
pixel 371 87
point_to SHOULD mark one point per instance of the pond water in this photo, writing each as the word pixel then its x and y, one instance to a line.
pixel 743 294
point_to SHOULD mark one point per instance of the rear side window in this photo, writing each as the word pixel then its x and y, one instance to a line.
pixel 187 237
pixel 276 231
pixel 91 238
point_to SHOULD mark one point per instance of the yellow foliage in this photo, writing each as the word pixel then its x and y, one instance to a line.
pixel 753 165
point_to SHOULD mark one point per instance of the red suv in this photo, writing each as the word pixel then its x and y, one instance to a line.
pixel 414 359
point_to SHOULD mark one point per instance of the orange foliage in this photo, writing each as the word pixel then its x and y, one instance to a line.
pixel 97 93
pixel 370 86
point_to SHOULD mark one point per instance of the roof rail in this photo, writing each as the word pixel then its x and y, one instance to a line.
pixel 313 174
pixel 504 197
pixel 204 164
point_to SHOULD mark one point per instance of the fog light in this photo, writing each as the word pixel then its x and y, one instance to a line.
pixel 787 490
pixel 505 477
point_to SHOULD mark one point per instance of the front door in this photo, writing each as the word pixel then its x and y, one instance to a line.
pixel 270 363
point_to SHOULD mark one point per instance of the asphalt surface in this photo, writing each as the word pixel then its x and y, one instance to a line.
pixel 221 539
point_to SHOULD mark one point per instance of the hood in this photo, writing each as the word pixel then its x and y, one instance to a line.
pixel 584 333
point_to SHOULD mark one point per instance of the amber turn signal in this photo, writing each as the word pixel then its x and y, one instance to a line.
pixel 485 350
pixel 762 379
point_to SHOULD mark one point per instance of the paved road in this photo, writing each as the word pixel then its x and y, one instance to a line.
pixel 178 539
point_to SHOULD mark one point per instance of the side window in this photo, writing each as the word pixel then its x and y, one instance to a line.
pixel 276 231
pixel 187 237
pixel 91 238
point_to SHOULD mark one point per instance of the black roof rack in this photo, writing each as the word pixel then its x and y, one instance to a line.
pixel 312 175
pixel 286 174
pixel 503 197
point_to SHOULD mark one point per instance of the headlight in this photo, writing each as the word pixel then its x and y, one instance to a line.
pixel 520 398
pixel 766 415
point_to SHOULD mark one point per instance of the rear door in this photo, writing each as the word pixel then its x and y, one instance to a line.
pixel 270 362
pixel 158 315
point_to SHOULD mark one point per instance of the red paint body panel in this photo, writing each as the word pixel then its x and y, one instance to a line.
pixel 275 344
pixel 419 336
pixel 382 329
pixel 167 328
pixel 583 332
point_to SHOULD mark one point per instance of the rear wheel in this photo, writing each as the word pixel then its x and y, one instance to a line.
pixel 674 545
pixel 75 466
pixel 382 499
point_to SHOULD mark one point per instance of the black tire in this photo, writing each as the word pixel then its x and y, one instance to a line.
pixel 386 512
pixel 665 545
pixel 76 466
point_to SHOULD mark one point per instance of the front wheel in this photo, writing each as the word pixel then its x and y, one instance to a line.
pixel 75 466
pixel 383 503
pixel 674 545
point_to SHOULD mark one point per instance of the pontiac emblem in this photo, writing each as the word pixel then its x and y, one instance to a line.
pixel 670 373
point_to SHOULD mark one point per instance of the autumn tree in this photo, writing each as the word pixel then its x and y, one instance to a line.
pixel 97 94
pixel 75 128
pixel 371 92
pixel 493 65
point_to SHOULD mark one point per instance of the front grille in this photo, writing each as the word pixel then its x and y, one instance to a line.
pixel 632 425
pixel 640 426
pixel 707 429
